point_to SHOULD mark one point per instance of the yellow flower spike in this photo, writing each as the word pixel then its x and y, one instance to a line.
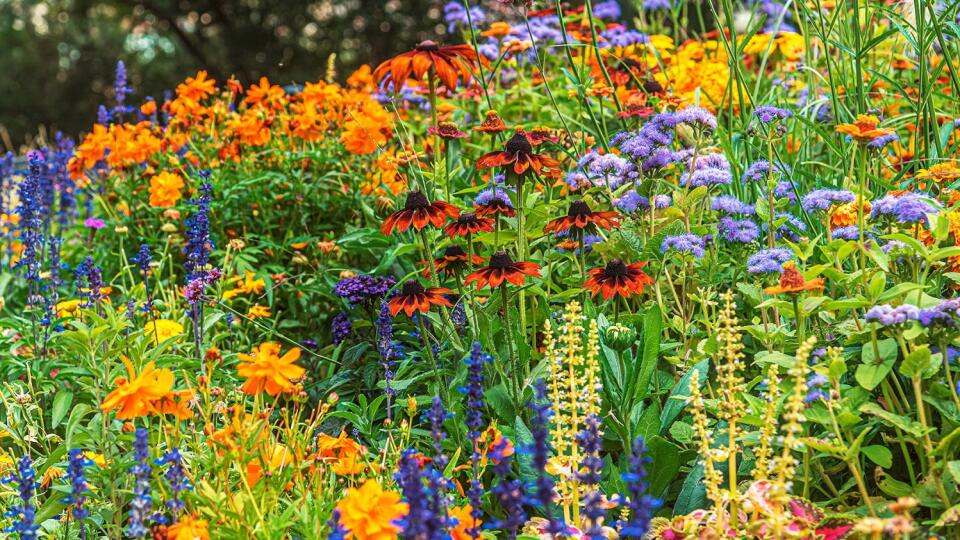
pixel 764 452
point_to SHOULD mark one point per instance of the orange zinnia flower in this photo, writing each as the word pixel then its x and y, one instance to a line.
pixel 518 153
pixel 450 64
pixel 502 269
pixel 865 129
pixel 468 223
pixel 370 513
pixel 136 395
pixel 265 369
pixel 580 216
pixel 413 297
pixel 792 281
pixel 418 211
pixel 618 278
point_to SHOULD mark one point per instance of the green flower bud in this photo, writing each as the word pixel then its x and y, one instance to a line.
pixel 619 337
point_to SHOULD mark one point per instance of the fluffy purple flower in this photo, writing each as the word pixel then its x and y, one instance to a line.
pixel 620 36
pixel 887 315
pixel 363 289
pixel 815 384
pixel 768 261
pixel 789 227
pixel 490 194
pixel 883 140
pixel 943 315
pixel 684 243
pixel 823 199
pixel 911 208
pixel 698 117
pixel 709 170
pixel 767 114
pixel 607 9
pixel 456 16
pixel 850 232
pixel 342 326
pixel 738 231
pixel 728 204
pixel 759 171
pixel 655 5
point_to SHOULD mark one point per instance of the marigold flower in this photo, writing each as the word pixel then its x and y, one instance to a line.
pixel 940 172
pixel 864 129
pixel 418 211
pixel 371 513
pixel 137 395
pixel 259 312
pixel 451 64
pixel 502 269
pixel 188 528
pixel 265 369
pixel 618 278
pixel 67 308
pixel 792 281
pixel 165 189
pixel 413 297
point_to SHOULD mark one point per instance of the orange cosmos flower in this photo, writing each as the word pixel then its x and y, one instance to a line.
pixel 197 88
pixel 413 297
pixel 176 403
pixel 371 513
pixel 265 94
pixel 418 211
pixel 518 153
pixel 265 369
pixel 165 189
pixel 865 129
pixel 466 523
pixel 580 216
pixel 502 269
pixel 258 312
pixel 450 64
pixel 136 395
pixel 618 278
pixel 792 281
pixel 188 528
pixel 343 453
pixel 273 457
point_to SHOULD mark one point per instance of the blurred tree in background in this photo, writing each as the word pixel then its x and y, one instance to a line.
pixel 58 56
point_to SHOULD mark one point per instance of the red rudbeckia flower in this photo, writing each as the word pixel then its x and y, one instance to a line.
pixel 453 261
pixel 413 297
pixel 618 278
pixel 580 216
pixel 418 211
pixel 502 269
pixel 518 154
pixel 451 64
pixel 468 223
pixel 497 204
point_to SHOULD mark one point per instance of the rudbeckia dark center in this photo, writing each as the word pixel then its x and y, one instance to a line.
pixel 615 268
pixel 467 217
pixel 652 86
pixel 428 45
pixel 519 145
pixel 500 260
pixel 416 201
pixel 411 288
pixel 578 208
pixel 454 251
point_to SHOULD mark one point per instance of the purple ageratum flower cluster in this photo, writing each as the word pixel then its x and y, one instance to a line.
pixel 768 261
pixel 697 117
pixel 649 144
pixel 943 315
pixel 730 205
pixel 656 5
pixel 341 327
pixel 886 315
pixel 684 243
pixel 822 199
pixel 488 195
pixel 621 36
pixel 882 141
pixel 607 169
pixel 850 232
pixel 767 114
pixel 815 385
pixel 785 190
pixel 24 513
pixel 743 231
pixel 631 202
pixel 907 208
pixel 759 171
pixel 640 504
pixel 709 170
pixel 607 9
pixel 363 289
pixel 456 16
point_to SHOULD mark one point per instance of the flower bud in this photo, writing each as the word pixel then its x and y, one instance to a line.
pixel 619 337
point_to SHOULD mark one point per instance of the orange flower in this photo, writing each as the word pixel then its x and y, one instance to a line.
pixel 518 153
pixel 792 281
pixel 491 124
pixel 176 403
pixel 465 523
pixel 188 528
pixel 940 172
pixel 418 211
pixel 149 107
pixel 579 217
pixel 259 312
pixel 865 129
pixel 136 396
pixel 265 95
pixel 618 278
pixel 450 64
pixel 846 215
pixel 371 513
pixel 265 369
pixel 413 297
pixel 501 270
pixel 165 189
pixel 344 454
pixel 273 457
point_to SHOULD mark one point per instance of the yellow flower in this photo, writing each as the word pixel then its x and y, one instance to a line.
pixel 791 45
pixel 164 329
pixel 370 513
pixel 941 172
pixel 249 284
pixel 98 459
pixel 68 308
pixel 258 312
pixel 265 369
pixel 165 189
pixel 188 528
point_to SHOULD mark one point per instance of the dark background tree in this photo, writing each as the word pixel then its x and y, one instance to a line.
pixel 58 57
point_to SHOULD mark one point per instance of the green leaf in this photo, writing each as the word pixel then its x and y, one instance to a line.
pixel 664 465
pixel 677 400
pixel 881 455
pixel 915 362
pixel 652 328
pixel 905 424
pixel 61 405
